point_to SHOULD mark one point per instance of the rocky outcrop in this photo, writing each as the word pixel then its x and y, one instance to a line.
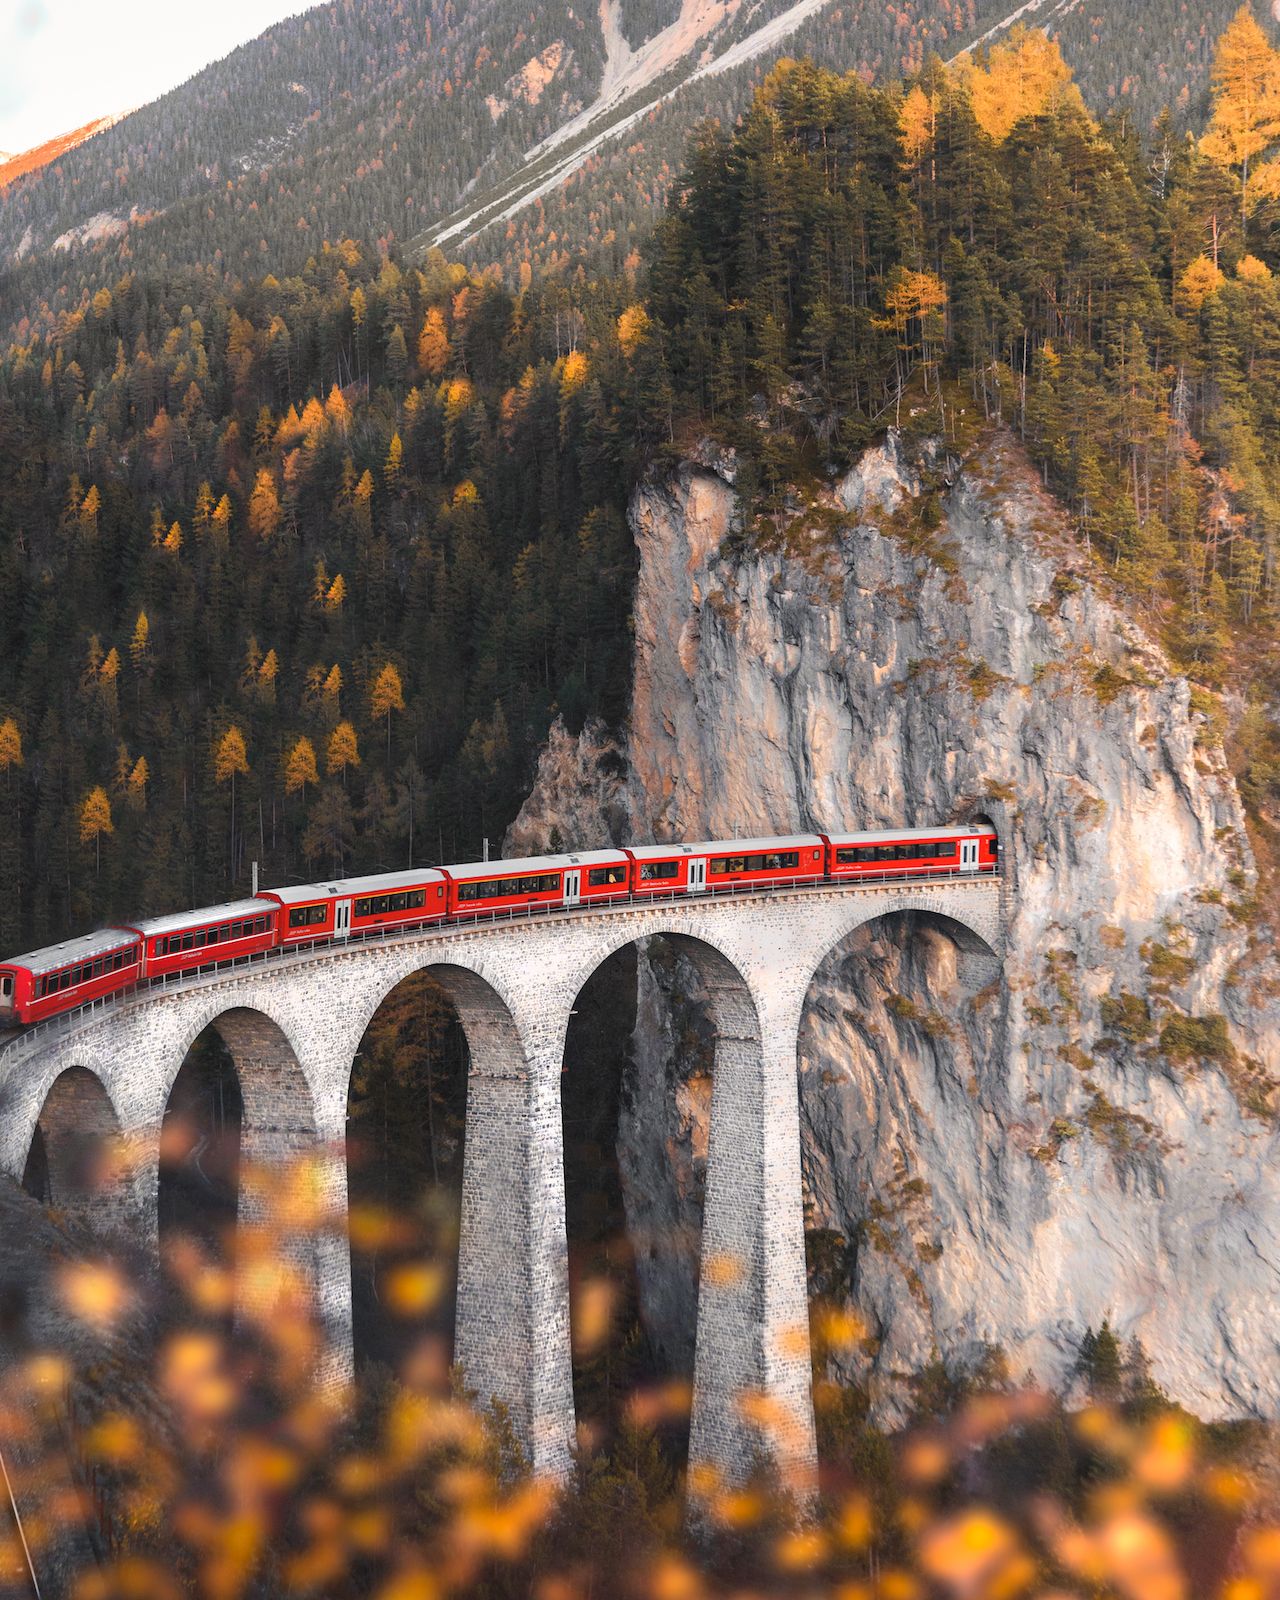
pixel 1006 1163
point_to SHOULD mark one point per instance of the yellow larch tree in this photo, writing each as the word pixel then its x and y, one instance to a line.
pixel 10 748
pixel 633 329
pixel 1200 280
pixel 268 672
pixel 221 519
pixel 1024 75
pixel 343 751
pixel 917 123
pixel 95 820
pixel 337 410
pixel 1246 108
pixel 90 506
pixel 394 463
pixel 300 768
pixel 433 343
pixel 230 761
pixel 386 696
pixel 264 505
pixel 136 787
pixel 139 643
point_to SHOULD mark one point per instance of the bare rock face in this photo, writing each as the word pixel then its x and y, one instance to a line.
pixel 1005 1162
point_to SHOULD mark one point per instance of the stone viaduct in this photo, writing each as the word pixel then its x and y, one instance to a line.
pixel 293 1024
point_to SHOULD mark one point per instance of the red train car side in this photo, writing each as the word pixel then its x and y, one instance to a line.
pixel 45 982
pixel 188 940
pixel 719 865
pixel 480 888
pixel 926 852
pixel 355 906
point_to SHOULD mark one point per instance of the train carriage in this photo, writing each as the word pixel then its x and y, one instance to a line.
pixel 352 907
pixel 924 852
pixel 717 865
pixel 481 888
pixel 188 940
pixel 61 976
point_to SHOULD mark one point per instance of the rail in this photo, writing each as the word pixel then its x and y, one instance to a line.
pixel 69 1022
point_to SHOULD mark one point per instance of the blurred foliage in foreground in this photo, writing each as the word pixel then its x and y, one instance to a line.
pixel 231 1470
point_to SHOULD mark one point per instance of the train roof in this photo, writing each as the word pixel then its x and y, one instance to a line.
pixel 202 916
pixel 724 847
pixel 343 888
pixel 953 830
pixel 54 956
pixel 517 866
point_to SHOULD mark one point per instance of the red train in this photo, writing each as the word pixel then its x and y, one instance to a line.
pixel 63 976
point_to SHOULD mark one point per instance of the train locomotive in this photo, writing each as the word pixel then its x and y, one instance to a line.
pixel 62 977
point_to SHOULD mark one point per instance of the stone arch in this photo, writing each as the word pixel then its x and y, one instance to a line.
pixel 511 1323
pixel 974 929
pixel 657 1271
pixel 751 1394
pixel 278 1226
pixel 883 1053
pixel 445 1022
pixel 75 1158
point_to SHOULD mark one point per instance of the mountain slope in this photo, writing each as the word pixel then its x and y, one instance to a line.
pixel 556 128
pixel 18 164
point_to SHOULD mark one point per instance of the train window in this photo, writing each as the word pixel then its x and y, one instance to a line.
pixel 598 876
pixel 439 891
pixel 947 852
pixel 6 986
pixel 659 869
pixel 994 846
pixel 308 916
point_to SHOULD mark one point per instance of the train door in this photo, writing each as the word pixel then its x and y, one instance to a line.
pixel 968 855
pixel 572 888
pixel 6 993
pixel 342 919
pixel 697 876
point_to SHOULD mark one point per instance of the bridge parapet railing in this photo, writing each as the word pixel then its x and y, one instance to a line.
pixel 213 973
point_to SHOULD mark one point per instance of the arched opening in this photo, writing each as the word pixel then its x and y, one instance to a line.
pixel 406 1121
pixel 639 1063
pixel 72 1163
pixel 237 1135
pixel 898 1032
pixel 200 1150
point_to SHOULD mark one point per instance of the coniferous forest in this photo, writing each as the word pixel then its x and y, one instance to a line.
pixel 300 571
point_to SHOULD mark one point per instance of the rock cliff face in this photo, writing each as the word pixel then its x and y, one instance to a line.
pixel 1006 1162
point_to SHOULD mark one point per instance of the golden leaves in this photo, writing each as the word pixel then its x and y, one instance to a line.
pixel 1024 76
pixel 96 1293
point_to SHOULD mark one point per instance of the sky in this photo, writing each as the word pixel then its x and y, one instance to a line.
pixel 67 62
